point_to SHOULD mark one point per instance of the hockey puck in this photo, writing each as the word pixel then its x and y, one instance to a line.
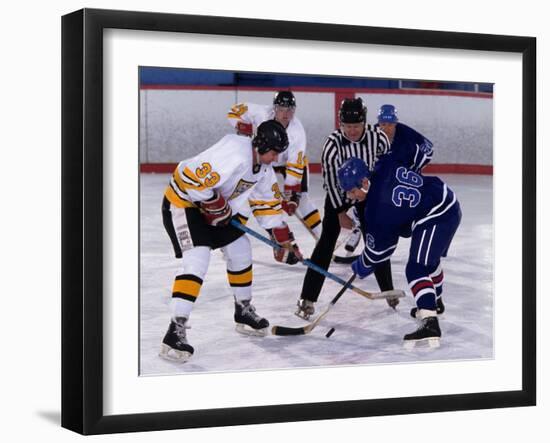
pixel 330 332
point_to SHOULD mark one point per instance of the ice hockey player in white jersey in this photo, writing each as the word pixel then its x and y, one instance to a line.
pixel 231 179
pixel 293 163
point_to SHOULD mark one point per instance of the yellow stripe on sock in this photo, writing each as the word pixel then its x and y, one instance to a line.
pixel 240 278
pixel 187 287
pixel 313 219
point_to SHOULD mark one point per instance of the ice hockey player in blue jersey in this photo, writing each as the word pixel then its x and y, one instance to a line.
pixel 404 203
pixel 410 148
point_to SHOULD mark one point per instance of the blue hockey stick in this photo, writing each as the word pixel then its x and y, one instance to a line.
pixel 395 293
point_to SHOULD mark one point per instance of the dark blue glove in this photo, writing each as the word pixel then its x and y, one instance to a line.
pixel 361 269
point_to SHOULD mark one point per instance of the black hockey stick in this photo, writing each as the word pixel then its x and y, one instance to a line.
pixel 346 260
pixel 283 330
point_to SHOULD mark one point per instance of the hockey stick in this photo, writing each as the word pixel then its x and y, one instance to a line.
pixel 395 293
pixel 283 330
pixel 345 259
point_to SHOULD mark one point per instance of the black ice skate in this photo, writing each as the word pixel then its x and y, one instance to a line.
pixel 174 344
pixel 427 332
pixel 306 308
pixel 248 322
pixel 440 308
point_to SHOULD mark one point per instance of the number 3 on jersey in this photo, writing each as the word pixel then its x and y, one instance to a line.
pixel 407 191
pixel 203 172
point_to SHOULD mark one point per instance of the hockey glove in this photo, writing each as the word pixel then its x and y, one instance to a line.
pixel 291 199
pixel 361 269
pixel 288 252
pixel 216 211
pixel 245 129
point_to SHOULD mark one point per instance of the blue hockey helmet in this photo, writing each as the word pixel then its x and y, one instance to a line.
pixel 352 173
pixel 387 114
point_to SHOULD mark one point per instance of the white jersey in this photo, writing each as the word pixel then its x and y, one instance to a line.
pixel 294 158
pixel 227 167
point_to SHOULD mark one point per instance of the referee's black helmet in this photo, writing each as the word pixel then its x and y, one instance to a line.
pixel 353 110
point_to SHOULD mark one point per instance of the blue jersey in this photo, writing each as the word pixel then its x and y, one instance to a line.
pixel 410 148
pixel 398 201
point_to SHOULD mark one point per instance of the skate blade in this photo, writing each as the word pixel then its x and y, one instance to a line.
pixel 433 343
pixel 170 354
pixel 247 330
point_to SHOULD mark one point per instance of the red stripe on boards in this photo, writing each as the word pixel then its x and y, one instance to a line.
pixel 336 91
pixel 315 168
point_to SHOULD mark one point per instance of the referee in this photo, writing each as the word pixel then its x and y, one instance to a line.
pixel 354 139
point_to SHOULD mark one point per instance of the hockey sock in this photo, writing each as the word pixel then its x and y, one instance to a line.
pixel 424 293
pixel 184 293
pixel 313 222
pixel 438 281
pixel 241 283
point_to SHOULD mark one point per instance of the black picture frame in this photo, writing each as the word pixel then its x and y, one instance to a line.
pixel 82 218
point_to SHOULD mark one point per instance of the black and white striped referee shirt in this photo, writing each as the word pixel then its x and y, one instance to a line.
pixel 338 149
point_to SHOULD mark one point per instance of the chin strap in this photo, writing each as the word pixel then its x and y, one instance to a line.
pixel 256 165
pixel 363 190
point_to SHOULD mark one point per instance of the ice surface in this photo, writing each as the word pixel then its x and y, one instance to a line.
pixel 367 332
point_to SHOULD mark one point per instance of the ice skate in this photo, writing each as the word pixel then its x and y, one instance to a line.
pixel 353 240
pixel 247 321
pixel 351 244
pixel 440 308
pixel 174 345
pixel 427 332
pixel 306 308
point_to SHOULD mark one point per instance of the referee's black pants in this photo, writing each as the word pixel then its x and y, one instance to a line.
pixel 324 249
